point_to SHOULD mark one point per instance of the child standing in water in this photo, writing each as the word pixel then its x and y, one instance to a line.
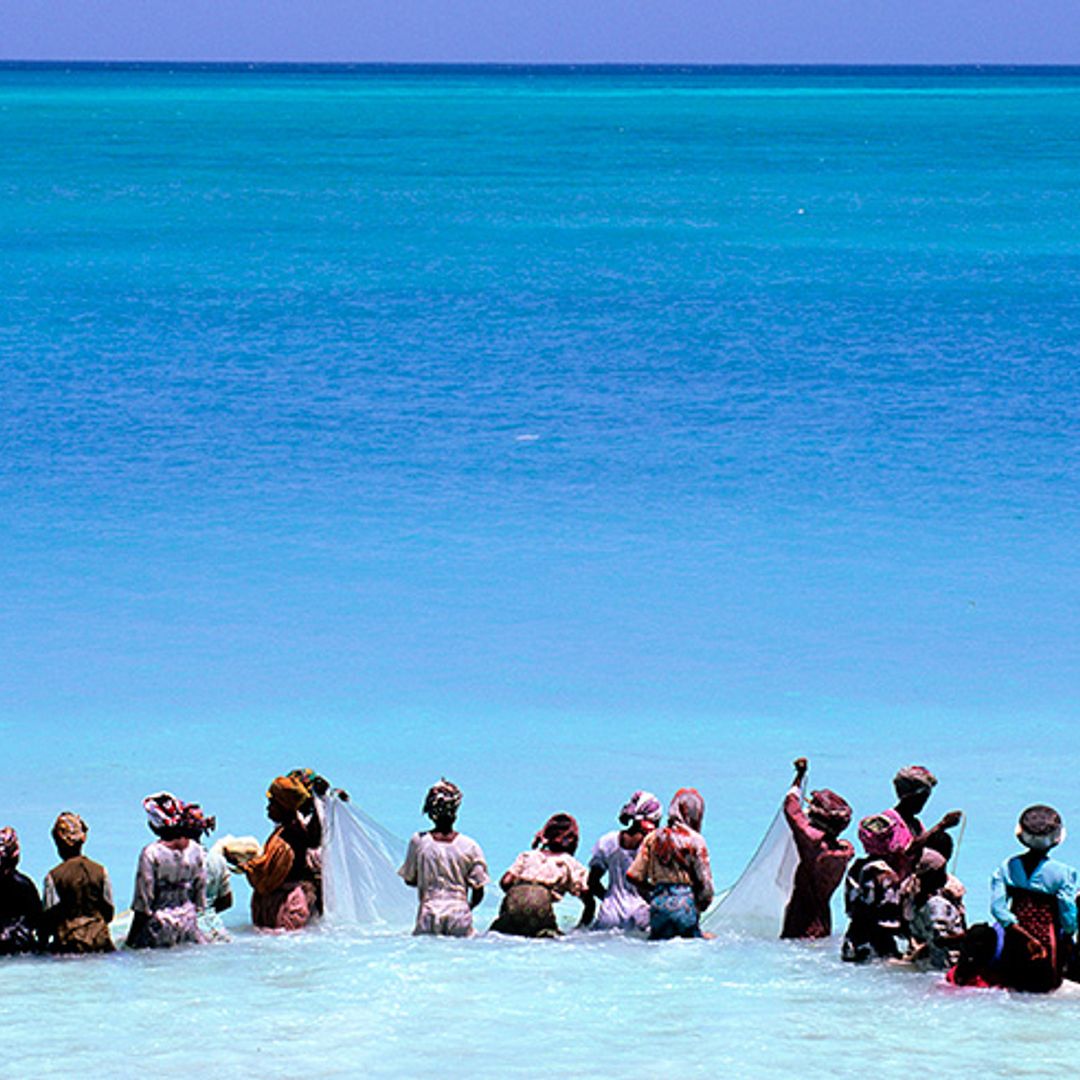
pixel 823 856
pixel 447 868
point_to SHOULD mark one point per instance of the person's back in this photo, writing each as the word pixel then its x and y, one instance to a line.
pixel 78 906
pixel 20 905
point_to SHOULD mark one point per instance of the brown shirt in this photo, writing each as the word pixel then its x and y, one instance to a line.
pixel 78 906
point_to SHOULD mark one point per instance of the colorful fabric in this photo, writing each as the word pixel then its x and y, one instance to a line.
pixel 884 834
pixel 872 899
pixel 9 846
pixel 194 823
pixel 443 872
pixel 622 907
pixel 687 808
pixel 289 908
pixel 70 830
pixel 674 855
pixel 164 810
pixel 559 834
pixel 643 807
pixel 307 777
pixel 673 913
pixel 828 811
pixel 442 800
pixel 1049 876
pixel 1040 828
pixel 912 780
pixel 288 792
pixel 557 871
pixel 170 890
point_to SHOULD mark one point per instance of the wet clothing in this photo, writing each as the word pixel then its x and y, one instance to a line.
pixel 78 907
pixel 622 907
pixel 218 887
pixel 539 880
pixel 872 899
pixel 444 871
pixel 20 914
pixel 822 862
pixel 284 892
pixel 1050 877
pixel 935 921
pixel 673 855
pixel 673 913
pixel 170 890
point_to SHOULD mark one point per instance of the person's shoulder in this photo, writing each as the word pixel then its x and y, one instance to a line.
pixel 607 843
pixel 467 843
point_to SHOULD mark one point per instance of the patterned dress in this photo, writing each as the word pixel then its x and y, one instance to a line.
pixel 170 890
pixel 538 881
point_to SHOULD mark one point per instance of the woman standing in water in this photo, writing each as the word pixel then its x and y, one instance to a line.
pixel 823 856
pixel 170 883
pixel 913 786
pixel 538 880
pixel 20 905
pixel 446 867
pixel 621 905
pixel 284 895
pixel 671 870
pixel 77 898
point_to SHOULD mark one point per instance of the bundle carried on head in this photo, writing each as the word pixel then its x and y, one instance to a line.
pixel 442 800
pixel 1040 828
pixel 643 807
pixel 238 849
pixel 559 834
pixel 914 780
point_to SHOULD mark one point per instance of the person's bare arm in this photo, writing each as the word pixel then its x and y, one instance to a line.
pixel 476 896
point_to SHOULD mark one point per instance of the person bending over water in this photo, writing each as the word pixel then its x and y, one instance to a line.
pixel 284 895
pixel 621 905
pixel 20 904
pixel 671 870
pixel 446 867
pixel 538 880
pixel 1034 896
pixel 823 856
pixel 78 899
pixel 170 883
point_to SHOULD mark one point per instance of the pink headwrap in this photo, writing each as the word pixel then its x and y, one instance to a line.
pixel 884 834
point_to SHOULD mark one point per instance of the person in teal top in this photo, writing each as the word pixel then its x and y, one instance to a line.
pixel 1035 895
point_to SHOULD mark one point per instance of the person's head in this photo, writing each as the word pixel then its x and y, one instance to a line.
pixel 69 834
pixel 980 949
pixel 931 872
pixel 441 804
pixel 9 849
pixel 559 834
pixel 828 812
pixel 285 796
pixel 642 812
pixel 1040 828
pixel 884 834
pixel 194 824
pixel 687 808
pixel 313 784
pixel 164 813
pixel 942 843
pixel 913 785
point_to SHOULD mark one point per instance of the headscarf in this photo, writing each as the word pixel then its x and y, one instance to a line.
pixel 164 810
pixel 9 846
pixel 70 830
pixel 307 777
pixel 442 800
pixel 930 862
pixel 829 811
pixel 560 833
pixel 687 808
pixel 884 834
pixel 643 807
pixel 194 823
pixel 1040 828
pixel 288 792
pixel 913 780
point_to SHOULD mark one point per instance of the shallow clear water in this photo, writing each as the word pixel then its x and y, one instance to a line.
pixel 562 433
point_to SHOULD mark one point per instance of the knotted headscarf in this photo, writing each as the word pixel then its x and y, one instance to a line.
pixel 643 807
pixel 884 834
pixel 687 808
pixel 194 823
pixel 913 780
pixel 560 833
pixel 164 810
pixel 442 800
pixel 70 830
pixel 9 846
pixel 288 792
pixel 1040 828
pixel 828 811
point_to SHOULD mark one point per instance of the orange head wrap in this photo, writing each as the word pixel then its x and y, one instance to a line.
pixel 288 792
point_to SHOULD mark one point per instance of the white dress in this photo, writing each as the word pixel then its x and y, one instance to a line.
pixel 443 871
pixel 623 907
pixel 170 889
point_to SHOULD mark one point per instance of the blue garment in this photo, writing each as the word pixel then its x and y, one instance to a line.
pixel 673 913
pixel 1050 876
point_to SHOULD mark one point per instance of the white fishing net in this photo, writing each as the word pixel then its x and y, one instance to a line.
pixel 359 869
pixel 755 904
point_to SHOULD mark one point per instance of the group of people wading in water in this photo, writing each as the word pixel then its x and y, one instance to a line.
pixel 649 877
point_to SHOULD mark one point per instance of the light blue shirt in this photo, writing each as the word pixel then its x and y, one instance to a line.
pixel 1051 877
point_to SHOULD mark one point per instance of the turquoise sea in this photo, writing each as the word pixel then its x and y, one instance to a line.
pixel 563 432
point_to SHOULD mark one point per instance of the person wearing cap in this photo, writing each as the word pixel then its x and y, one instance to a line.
pixel 446 867
pixel 823 856
pixel 77 900
pixel 284 892
pixel 622 907
pixel 20 904
pixel 1034 896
